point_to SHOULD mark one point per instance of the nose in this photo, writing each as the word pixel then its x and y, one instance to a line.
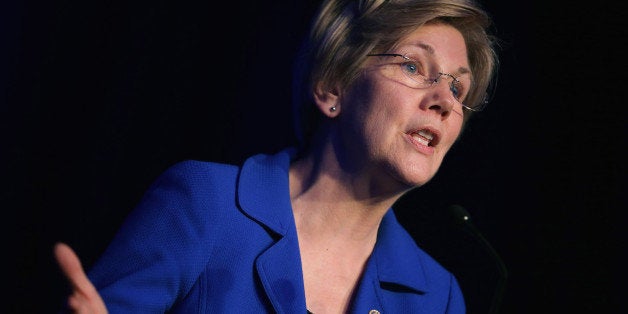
pixel 442 99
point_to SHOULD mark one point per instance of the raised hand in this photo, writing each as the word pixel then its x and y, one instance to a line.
pixel 84 298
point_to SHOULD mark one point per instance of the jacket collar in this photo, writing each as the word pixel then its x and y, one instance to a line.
pixel 263 182
pixel 399 262
pixel 264 195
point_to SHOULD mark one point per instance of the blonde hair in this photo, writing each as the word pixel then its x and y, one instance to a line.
pixel 344 32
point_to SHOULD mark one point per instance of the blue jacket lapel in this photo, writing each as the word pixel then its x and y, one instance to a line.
pixel 263 194
pixel 398 260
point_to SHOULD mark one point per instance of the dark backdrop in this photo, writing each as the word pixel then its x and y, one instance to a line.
pixel 100 97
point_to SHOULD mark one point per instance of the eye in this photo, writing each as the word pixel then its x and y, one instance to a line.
pixel 456 89
pixel 412 68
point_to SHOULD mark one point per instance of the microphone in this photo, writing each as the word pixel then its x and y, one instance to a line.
pixel 462 216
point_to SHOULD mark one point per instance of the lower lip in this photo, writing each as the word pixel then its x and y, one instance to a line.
pixel 427 150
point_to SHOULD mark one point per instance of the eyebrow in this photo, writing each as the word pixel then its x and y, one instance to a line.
pixel 426 47
pixel 432 51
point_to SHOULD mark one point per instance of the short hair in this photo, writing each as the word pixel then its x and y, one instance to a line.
pixel 344 32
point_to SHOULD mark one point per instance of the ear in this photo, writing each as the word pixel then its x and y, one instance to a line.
pixel 327 100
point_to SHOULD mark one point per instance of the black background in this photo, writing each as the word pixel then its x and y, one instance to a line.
pixel 99 97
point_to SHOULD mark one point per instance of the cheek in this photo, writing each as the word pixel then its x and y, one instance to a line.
pixel 368 102
pixel 390 98
pixel 453 132
pixel 386 110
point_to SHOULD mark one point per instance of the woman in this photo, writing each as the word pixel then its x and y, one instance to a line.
pixel 383 90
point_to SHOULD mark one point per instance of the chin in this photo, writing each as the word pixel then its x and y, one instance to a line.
pixel 411 178
pixel 422 172
pixel 417 182
pixel 409 173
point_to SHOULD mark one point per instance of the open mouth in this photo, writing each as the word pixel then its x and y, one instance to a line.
pixel 425 137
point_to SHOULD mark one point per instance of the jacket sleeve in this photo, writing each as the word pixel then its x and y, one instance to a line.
pixel 161 248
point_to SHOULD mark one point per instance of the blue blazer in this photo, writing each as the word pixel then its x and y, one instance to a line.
pixel 216 238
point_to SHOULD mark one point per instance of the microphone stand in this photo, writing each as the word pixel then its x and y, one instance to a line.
pixel 463 217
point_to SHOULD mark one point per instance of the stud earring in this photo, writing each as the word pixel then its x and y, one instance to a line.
pixel 332 109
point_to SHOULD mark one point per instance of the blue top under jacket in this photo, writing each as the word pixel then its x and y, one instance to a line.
pixel 216 238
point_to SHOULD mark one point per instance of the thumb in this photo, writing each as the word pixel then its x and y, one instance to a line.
pixel 85 297
pixel 71 267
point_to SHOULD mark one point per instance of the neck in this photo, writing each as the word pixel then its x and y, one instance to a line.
pixel 339 200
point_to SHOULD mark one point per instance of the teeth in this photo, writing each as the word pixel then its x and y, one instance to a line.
pixel 424 137
pixel 420 139
pixel 427 134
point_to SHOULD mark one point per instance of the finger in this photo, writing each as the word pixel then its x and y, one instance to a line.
pixel 85 298
pixel 71 266
pixel 77 303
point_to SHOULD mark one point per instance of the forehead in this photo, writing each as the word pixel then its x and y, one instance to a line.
pixel 442 42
